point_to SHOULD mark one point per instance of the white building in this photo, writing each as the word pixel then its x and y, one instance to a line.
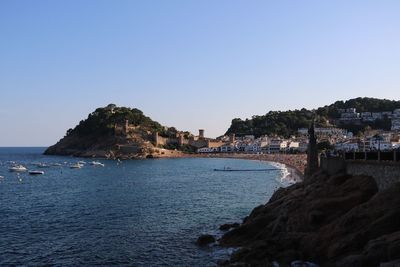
pixel 293 146
pixel 324 131
pixel 277 145
pixel 375 144
pixel 396 120
pixel 253 148
pixel 367 116
pixel 208 150
pixel 377 115
pixel 227 148
pixel 350 114
pixel 347 146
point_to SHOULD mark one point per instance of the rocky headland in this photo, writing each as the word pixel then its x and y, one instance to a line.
pixel 115 132
pixel 337 220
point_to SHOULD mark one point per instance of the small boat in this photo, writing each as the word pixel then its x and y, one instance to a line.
pixel 17 168
pixel 76 166
pixel 56 164
pixel 1 177
pixel 96 163
pixel 82 162
pixel 36 172
pixel 43 165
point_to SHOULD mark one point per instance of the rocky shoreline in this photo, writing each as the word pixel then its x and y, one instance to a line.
pixel 337 220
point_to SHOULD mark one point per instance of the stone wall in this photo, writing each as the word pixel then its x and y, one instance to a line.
pixel 332 165
pixel 385 173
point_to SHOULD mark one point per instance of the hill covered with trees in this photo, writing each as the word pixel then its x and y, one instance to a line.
pixel 286 123
pixel 101 134
pixel 101 122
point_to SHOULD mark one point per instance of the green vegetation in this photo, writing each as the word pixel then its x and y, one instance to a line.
pixel 362 104
pixel 102 121
pixel 286 123
pixel 282 123
pixel 324 145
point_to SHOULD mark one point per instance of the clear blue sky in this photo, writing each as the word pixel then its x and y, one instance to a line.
pixel 188 64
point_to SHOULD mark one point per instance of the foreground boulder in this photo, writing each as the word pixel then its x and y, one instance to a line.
pixel 227 226
pixel 204 240
pixel 337 220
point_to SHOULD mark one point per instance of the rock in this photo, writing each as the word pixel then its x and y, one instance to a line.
pixel 395 263
pixel 303 264
pixel 353 261
pixel 337 220
pixel 287 256
pixel 204 240
pixel 223 262
pixel 227 226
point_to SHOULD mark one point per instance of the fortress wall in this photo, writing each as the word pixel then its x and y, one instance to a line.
pixel 385 173
pixel 198 143
pixel 332 165
pixel 166 141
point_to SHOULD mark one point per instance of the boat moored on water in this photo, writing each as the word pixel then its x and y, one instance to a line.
pixel 43 165
pixel 36 172
pixel 18 168
pixel 76 166
pixel 97 163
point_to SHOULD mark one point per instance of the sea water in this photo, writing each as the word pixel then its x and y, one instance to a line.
pixel 129 213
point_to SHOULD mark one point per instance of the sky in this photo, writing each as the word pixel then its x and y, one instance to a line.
pixel 189 64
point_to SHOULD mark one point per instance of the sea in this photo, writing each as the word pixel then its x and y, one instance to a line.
pixel 129 213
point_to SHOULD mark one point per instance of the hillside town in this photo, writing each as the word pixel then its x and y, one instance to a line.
pixel 337 139
pixel 350 115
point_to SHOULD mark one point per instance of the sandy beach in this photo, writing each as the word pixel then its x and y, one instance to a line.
pixel 294 163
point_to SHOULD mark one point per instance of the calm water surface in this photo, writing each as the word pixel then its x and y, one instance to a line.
pixel 137 213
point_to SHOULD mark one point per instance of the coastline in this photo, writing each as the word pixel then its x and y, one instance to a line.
pixel 294 163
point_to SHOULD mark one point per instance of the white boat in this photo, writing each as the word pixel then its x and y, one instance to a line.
pixel 82 162
pixel 76 166
pixel 1 177
pixel 56 164
pixel 96 163
pixel 17 168
pixel 43 165
pixel 36 172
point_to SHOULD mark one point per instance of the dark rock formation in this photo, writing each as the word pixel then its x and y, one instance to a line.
pixel 204 240
pixel 227 226
pixel 336 220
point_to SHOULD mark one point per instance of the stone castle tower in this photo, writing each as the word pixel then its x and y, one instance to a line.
pixel 312 152
pixel 201 133
pixel 156 138
pixel 181 139
pixel 232 138
pixel 126 127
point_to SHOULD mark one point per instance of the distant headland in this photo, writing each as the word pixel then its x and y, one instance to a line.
pixel 121 132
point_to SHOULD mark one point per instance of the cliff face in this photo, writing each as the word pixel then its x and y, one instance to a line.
pixel 336 220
